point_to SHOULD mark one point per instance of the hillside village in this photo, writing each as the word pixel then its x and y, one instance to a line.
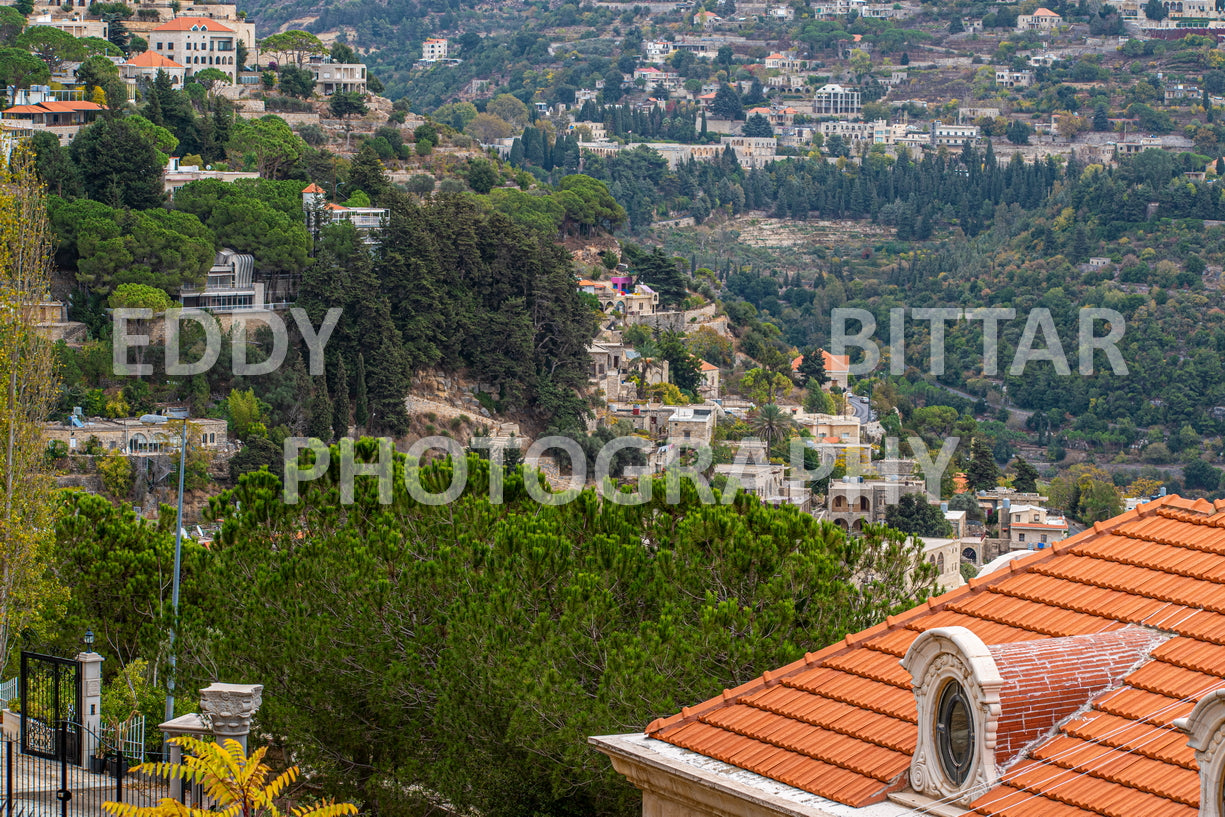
pixel 541 228
pixel 709 84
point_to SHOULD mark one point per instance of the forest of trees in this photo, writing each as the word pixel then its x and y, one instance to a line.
pixel 473 647
pixel 1031 227
pixel 915 196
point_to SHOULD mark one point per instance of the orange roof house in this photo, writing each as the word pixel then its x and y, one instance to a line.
pixel 65 119
pixel 1085 679
pixel 200 43
pixel 151 59
pixel 837 367
pixel 147 64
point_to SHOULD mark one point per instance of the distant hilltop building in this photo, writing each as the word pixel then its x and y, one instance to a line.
pixel 434 49
pixel 147 64
pixel 63 118
pixel 74 25
pixel 836 100
pixel 1042 20
pixel 197 43
pixel 321 213
pixel 338 77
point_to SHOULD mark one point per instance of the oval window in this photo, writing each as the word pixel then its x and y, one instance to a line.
pixel 954 732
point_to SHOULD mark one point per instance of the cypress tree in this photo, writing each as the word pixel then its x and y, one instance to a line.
pixel 1026 479
pixel 361 403
pixel 340 398
pixel 319 422
pixel 983 474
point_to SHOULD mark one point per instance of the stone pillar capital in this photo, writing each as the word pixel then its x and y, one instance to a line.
pixel 230 708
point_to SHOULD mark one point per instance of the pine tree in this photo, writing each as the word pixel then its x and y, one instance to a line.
pixel 758 125
pixel 1101 119
pixel 368 174
pixel 727 104
pixel 339 386
pixel 983 474
pixel 361 405
pixel 812 368
pixel 1026 478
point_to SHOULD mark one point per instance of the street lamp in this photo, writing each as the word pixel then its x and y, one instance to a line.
pixel 157 420
pixel 89 640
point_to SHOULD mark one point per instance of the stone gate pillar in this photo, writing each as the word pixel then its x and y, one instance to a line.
pixel 91 703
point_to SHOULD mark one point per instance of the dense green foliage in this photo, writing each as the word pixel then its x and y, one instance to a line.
pixel 117 571
pixel 469 649
pixel 915 515
pixel 1031 228
pixel 453 285
pixel 911 195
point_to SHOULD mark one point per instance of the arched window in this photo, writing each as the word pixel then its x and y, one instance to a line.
pixel 955 732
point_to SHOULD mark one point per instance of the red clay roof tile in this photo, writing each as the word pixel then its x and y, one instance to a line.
pixel 840 722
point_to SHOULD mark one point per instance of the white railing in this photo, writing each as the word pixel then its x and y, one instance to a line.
pixel 8 691
pixel 128 736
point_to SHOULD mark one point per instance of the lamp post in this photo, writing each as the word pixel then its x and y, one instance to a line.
pixel 157 420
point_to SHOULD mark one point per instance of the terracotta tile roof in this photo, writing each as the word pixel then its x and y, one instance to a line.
pixel 709 367
pixel 833 363
pixel 52 106
pixel 152 59
pixel 188 23
pixel 841 722
pixel 69 106
pixel 314 188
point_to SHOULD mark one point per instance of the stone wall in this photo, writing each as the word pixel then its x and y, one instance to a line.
pixel 678 321
pixel 448 395
pixel 993 549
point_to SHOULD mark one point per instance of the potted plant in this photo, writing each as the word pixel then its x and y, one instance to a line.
pixel 112 762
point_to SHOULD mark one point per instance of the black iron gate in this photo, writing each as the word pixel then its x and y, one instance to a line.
pixel 35 786
pixel 50 689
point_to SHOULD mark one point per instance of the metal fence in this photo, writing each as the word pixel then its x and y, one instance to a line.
pixel 34 786
pixel 128 737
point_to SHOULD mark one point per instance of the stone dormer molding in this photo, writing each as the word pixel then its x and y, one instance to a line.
pixel 1205 727
pixel 936 659
pixel 1016 694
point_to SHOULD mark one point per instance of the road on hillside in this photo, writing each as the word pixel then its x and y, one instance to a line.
pixel 860 406
pixel 1024 414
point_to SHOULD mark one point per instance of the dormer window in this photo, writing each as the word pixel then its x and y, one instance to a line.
pixel 981 706
pixel 955 732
